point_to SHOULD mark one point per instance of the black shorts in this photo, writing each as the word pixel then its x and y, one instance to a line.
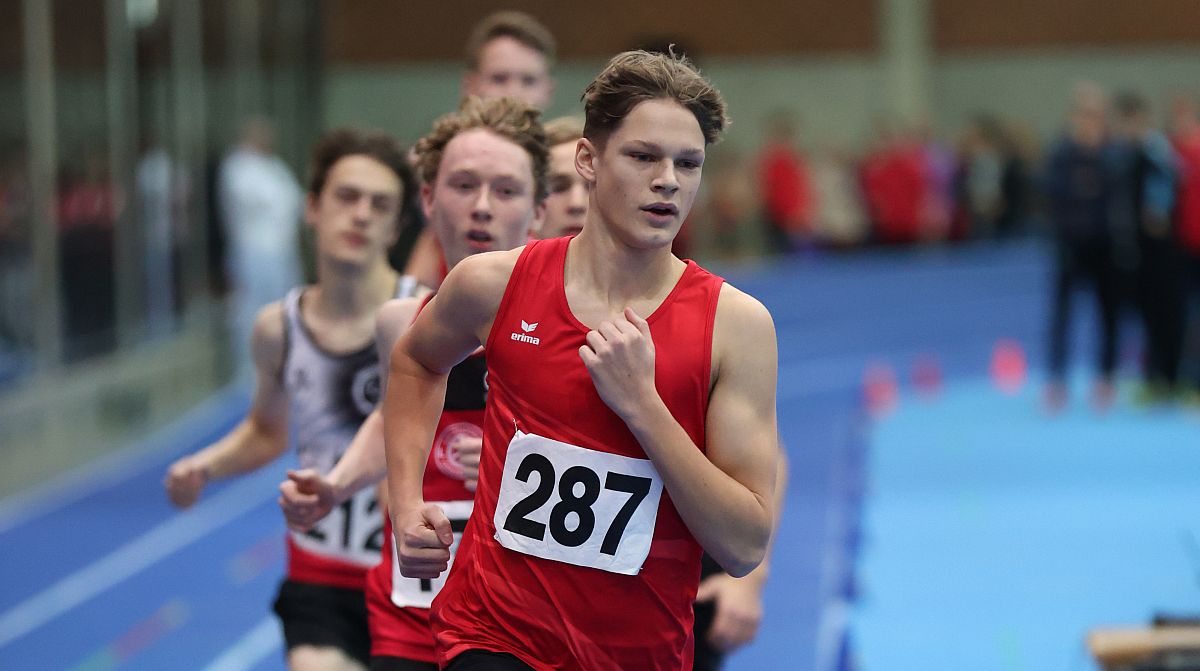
pixel 707 657
pixel 323 616
pixel 482 660
pixel 379 663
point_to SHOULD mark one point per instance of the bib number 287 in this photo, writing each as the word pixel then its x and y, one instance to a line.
pixel 571 504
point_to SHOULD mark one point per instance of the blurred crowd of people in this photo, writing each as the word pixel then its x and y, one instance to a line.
pixel 1118 193
pixel 906 187
pixel 1123 200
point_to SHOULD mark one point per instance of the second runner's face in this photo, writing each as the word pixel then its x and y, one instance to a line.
pixel 647 173
pixel 355 214
pixel 510 69
pixel 483 198
pixel 567 200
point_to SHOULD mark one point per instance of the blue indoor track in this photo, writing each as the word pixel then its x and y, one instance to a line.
pixel 948 524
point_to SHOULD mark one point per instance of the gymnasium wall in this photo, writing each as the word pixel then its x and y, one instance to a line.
pixel 836 96
pixel 1017 59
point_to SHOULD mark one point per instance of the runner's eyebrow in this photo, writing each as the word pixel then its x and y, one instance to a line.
pixel 653 147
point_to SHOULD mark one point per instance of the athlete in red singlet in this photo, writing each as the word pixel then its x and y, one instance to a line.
pixel 728 610
pixel 317 379
pixel 484 168
pixel 616 448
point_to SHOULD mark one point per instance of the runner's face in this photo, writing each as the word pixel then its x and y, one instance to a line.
pixel 483 198
pixel 355 215
pixel 508 68
pixel 567 201
pixel 646 174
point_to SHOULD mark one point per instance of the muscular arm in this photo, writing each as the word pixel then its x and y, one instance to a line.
pixel 259 438
pixel 451 326
pixel 738 601
pixel 724 495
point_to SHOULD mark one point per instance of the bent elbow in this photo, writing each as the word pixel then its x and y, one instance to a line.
pixel 748 557
pixel 745 563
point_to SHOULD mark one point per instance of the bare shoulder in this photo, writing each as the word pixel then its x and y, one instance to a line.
pixel 743 335
pixel 268 340
pixel 482 271
pixel 481 279
pixel 397 312
pixel 738 310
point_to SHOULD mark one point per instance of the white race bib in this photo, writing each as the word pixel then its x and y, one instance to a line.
pixel 419 592
pixel 570 504
pixel 352 532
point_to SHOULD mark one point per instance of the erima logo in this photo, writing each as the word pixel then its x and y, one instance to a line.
pixel 525 337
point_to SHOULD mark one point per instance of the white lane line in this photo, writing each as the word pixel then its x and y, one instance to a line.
pixel 121 465
pixel 137 555
pixel 263 640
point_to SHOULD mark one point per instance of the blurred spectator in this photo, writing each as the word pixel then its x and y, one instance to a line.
pixel 87 208
pixel 978 183
pixel 1145 207
pixel 785 187
pixel 940 172
pixel 1079 184
pixel 840 220
pixel 1185 135
pixel 15 280
pixel 894 186
pixel 261 206
pixel 162 193
pixel 731 201
pixel 1019 151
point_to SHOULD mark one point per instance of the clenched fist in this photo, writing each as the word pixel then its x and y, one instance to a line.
pixel 185 480
pixel 619 356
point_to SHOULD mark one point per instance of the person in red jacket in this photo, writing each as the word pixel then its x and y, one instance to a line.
pixel 630 421
pixel 1185 137
pixel 787 193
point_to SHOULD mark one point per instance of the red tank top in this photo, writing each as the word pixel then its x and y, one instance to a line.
pixel 1187 208
pixel 575 558
pixel 398 607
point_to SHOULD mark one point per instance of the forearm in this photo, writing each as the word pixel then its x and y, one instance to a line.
pixel 363 464
pixel 759 575
pixel 730 521
pixel 411 407
pixel 248 447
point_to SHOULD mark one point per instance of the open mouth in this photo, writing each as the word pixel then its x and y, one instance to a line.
pixel 662 209
pixel 479 239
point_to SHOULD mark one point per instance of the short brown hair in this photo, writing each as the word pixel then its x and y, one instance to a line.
pixel 517 25
pixel 634 77
pixel 509 118
pixel 342 142
pixel 564 129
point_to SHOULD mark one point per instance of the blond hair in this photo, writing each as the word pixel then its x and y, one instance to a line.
pixel 634 77
pixel 509 118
